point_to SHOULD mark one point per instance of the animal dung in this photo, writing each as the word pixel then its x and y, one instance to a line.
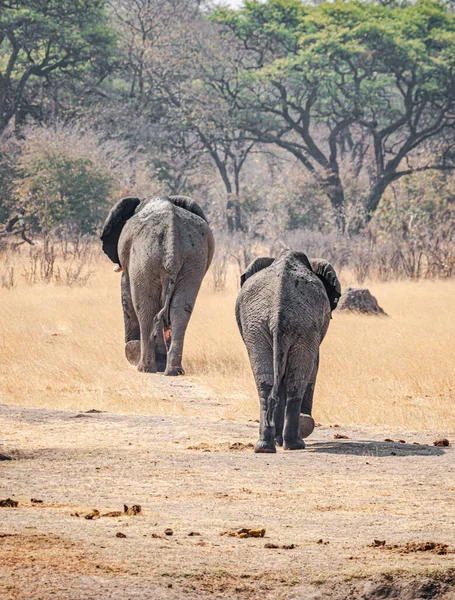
pixel 91 516
pixel 168 531
pixel 128 511
pixel 283 547
pixel 8 503
pixel 132 511
pixel 306 424
pixel 244 532
pixel 432 547
pixel 119 534
pixel 340 436
pixel 442 442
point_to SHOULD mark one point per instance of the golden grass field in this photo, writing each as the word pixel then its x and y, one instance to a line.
pixel 62 347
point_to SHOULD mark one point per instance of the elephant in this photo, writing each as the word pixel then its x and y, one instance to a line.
pixel 163 246
pixel 283 311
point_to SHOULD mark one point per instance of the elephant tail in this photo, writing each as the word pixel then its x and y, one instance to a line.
pixel 274 397
pixel 164 312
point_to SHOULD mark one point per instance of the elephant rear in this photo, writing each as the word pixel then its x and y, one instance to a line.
pixel 283 312
pixel 164 247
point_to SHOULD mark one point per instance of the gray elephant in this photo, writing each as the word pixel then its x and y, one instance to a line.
pixel 164 247
pixel 283 311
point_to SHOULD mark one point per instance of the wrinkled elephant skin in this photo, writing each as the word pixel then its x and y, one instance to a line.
pixel 283 311
pixel 164 247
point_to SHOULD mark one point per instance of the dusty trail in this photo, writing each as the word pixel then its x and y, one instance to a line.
pixel 199 474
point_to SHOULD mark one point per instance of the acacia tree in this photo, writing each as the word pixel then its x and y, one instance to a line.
pixel 172 56
pixel 42 38
pixel 369 82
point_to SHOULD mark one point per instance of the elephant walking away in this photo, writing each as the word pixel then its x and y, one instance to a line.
pixel 283 311
pixel 164 247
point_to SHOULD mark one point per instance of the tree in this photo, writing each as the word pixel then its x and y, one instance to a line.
pixel 42 39
pixel 173 55
pixel 363 82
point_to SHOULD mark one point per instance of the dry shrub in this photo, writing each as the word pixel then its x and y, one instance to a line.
pixel 49 262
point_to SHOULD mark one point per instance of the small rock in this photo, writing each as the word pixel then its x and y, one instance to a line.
pixel 5 457
pixel 401 442
pixel 340 436
pixel 191 533
pixel 168 531
pixel 36 501
pixel 269 545
pixel 119 534
pixel 393 454
pixel 377 543
pixel 388 440
pixel 442 442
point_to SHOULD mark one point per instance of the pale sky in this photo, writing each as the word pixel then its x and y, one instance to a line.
pixel 232 3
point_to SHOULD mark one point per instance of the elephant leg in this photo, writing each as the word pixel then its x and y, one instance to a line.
pixel 261 359
pixel 307 401
pixel 132 329
pixel 279 416
pixel 296 381
pixel 307 423
pixel 181 308
pixel 160 352
pixel 146 309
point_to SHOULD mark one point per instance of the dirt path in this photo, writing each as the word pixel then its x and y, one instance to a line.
pixel 199 474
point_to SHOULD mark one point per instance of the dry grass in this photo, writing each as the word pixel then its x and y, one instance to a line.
pixel 62 347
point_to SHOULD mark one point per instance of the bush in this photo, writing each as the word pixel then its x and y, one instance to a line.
pixel 65 179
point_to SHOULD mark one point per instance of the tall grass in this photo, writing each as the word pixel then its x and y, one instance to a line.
pixel 62 347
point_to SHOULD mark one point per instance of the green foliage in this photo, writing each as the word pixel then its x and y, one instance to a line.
pixel 65 181
pixel 45 39
pixel 370 81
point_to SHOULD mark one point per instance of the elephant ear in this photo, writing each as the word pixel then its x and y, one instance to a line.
pixel 327 275
pixel 116 219
pixel 257 265
pixel 303 258
pixel 188 204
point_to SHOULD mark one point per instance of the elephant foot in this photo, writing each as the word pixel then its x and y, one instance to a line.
pixel 174 371
pixel 146 368
pixel 265 447
pixel 307 425
pixel 297 444
pixel 161 361
pixel 133 352
pixel 279 441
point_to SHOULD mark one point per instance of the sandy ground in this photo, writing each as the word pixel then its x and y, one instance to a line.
pixel 199 474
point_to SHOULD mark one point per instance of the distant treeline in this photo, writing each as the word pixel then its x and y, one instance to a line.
pixel 335 115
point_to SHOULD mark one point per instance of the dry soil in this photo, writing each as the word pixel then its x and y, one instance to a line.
pixel 323 507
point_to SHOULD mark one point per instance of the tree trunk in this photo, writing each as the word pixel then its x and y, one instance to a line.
pixel 376 194
pixel 335 192
pixel 233 212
